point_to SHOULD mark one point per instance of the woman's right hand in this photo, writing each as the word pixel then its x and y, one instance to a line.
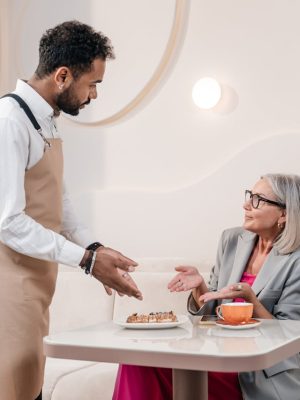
pixel 188 278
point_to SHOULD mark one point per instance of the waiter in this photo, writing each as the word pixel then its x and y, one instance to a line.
pixel 38 229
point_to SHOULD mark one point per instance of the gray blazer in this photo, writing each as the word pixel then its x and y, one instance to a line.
pixel 277 286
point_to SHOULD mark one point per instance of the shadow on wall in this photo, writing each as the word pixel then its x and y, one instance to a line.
pixel 229 101
pixel 186 222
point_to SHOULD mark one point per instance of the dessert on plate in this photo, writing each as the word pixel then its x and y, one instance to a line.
pixel 153 317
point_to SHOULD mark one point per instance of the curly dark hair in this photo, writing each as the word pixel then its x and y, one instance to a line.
pixel 74 45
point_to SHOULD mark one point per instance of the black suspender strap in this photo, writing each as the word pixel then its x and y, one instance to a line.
pixel 29 114
pixel 25 107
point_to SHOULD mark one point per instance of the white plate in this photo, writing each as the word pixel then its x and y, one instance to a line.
pixel 238 327
pixel 153 325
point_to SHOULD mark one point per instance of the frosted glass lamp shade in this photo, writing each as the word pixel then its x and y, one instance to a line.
pixel 206 93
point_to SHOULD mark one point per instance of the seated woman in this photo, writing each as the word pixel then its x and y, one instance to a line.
pixel 259 263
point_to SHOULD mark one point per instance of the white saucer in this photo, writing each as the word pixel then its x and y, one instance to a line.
pixel 253 323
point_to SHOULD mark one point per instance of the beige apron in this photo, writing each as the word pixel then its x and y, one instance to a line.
pixel 27 286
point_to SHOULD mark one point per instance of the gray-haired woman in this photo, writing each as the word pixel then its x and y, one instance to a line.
pixel 258 263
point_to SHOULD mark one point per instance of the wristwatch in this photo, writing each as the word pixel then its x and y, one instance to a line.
pixel 90 261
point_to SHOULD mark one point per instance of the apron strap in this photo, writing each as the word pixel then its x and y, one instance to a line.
pixel 29 114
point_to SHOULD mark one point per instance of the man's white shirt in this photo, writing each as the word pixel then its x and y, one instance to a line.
pixel 21 147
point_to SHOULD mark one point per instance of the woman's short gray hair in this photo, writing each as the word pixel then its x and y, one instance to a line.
pixel 287 191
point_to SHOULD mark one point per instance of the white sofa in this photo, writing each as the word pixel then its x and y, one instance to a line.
pixel 81 301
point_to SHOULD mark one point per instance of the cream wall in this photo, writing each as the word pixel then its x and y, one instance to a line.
pixel 165 179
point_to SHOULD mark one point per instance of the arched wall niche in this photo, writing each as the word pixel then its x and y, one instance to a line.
pixel 160 24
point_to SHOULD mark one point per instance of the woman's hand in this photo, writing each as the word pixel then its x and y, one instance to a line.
pixel 188 278
pixel 237 290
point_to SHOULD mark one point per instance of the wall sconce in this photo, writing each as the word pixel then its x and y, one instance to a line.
pixel 206 93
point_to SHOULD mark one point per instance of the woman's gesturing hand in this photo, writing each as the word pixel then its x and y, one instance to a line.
pixel 237 290
pixel 188 278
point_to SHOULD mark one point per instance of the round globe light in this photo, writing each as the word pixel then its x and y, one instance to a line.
pixel 206 93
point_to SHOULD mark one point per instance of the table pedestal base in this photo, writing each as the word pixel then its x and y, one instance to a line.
pixel 191 385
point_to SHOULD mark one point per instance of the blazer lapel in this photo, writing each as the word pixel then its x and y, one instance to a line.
pixel 244 248
pixel 270 268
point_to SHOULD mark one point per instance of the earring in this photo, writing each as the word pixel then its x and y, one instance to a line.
pixel 60 86
pixel 280 226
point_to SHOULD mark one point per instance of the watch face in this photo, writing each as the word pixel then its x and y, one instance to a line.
pixel 94 246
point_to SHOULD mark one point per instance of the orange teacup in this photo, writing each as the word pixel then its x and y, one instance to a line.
pixel 235 313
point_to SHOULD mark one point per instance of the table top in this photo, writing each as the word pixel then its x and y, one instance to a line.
pixel 189 346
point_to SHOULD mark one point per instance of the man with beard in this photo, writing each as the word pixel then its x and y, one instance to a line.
pixel 38 228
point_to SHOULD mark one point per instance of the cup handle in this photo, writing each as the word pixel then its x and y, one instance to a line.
pixel 218 312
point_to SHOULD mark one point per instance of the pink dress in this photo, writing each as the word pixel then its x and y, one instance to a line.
pixel 149 383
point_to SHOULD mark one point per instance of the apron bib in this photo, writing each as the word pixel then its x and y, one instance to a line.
pixel 27 285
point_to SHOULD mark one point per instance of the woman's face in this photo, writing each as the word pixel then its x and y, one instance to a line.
pixel 263 220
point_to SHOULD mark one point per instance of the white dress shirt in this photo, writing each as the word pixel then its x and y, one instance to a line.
pixel 21 147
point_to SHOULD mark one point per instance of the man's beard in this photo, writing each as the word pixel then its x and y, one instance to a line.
pixel 67 102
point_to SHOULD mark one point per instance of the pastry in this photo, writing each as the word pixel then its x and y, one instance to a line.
pixel 153 317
